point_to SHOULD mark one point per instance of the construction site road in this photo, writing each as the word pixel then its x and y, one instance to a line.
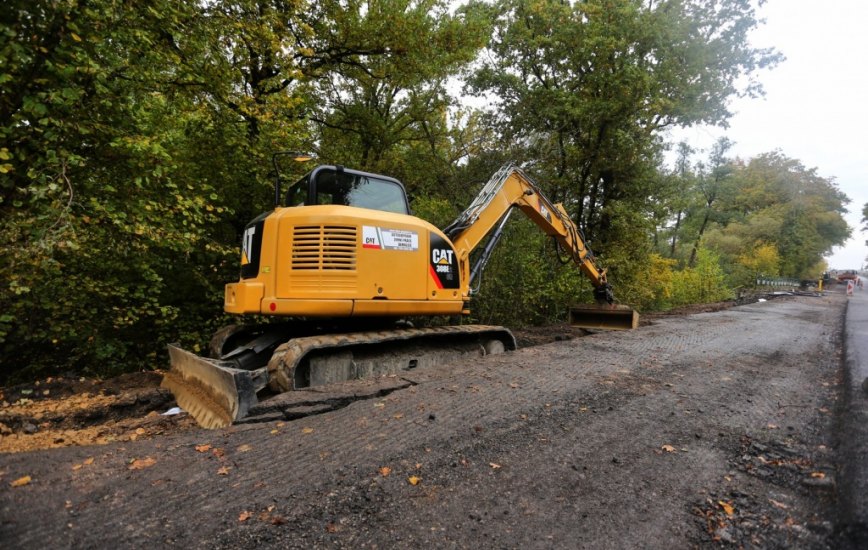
pixel 724 429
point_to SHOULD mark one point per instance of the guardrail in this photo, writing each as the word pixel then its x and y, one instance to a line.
pixel 777 282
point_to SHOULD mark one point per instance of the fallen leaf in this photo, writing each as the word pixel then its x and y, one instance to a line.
pixel 513 385
pixel 203 448
pixel 223 471
pixel 727 507
pixel 413 480
pixel 88 461
pixel 245 515
pixel 777 504
pixel 244 448
pixel 274 432
pixel 385 471
pixel 22 481
pixel 398 416
pixel 142 463
pixel 818 475
pixel 332 528
pixel 307 430
pixel 772 426
pixel 668 448
pixel 418 465
pixel 379 405
pixel 218 452
pixel 140 431
pixel 494 465
pixel 76 467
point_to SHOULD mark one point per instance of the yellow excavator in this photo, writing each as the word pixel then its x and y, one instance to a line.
pixel 343 263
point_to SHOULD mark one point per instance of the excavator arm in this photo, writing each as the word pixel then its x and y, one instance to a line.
pixel 511 187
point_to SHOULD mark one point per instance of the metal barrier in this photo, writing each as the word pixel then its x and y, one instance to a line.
pixel 777 282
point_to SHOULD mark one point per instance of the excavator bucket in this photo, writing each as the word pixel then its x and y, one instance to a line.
pixel 604 316
pixel 212 391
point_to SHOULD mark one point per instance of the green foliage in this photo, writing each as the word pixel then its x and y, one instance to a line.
pixel 135 140
pixel 775 201
pixel 524 284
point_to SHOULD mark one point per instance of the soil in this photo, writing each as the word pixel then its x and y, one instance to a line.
pixel 66 411
pixel 718 426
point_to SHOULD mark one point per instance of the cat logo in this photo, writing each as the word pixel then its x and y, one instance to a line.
pixel 441 257
pixel 247 245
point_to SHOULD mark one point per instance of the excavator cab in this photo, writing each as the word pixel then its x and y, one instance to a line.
pixel 336 185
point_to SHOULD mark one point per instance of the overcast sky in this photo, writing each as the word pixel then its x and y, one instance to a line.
pixel 816 104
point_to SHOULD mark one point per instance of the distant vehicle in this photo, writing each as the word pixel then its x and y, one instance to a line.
pixel 847 275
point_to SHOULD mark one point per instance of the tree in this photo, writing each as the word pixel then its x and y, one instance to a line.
pixel 587 85
pixel 775 200
pixel 135 141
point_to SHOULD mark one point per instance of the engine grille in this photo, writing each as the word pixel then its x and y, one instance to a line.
pixel 324 248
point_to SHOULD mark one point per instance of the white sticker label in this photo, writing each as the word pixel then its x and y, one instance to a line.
pixel 389 239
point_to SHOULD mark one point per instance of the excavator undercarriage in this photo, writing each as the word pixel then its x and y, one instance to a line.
pixel 218 393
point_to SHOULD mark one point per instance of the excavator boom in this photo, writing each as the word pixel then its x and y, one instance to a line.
pixel 510 187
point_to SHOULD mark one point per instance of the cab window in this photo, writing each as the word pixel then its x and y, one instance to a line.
pixel 296 195
pixel 358 190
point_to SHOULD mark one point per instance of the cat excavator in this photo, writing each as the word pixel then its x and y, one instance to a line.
pixel 343 264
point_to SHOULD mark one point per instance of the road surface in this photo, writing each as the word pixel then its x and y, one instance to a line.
pixel 727 429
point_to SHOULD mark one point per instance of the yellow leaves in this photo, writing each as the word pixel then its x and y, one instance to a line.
pixel 203 448
pixel 265 516
pixel 224 471
pixel 307 431
pixel 244 448
pixel 86 462
pixel 142 463
pixel 75 37
pixel 385 471
pixel 21 481
pixel 494 465
pixel 414 480
pixel 777 504
pixel 727 507
pixel 669 448
pixel 818 475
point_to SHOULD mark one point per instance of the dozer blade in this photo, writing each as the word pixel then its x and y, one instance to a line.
pixel 604 316
pixel 212 391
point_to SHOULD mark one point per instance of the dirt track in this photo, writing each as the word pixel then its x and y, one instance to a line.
pixel 710 429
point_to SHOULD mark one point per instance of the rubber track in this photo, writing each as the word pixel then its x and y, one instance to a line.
pixel 288 356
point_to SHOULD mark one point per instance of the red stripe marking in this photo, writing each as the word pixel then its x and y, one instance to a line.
pixel 435 277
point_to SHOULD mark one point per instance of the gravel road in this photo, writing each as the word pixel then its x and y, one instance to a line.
pixel 711 430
